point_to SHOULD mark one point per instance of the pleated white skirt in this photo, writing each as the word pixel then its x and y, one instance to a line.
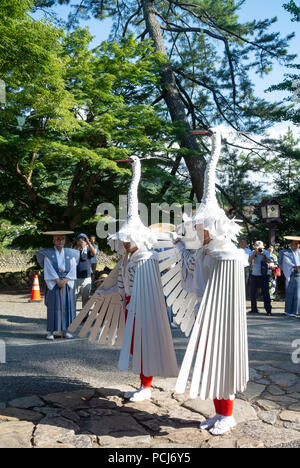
pixel 153 350
pixel 218 345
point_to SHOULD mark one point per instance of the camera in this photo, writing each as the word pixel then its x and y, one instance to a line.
pixel 260 250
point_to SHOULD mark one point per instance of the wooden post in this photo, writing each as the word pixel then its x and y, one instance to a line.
pixel 61 310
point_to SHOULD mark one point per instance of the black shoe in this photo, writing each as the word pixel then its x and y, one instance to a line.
pixel 269 314
pixel 253 312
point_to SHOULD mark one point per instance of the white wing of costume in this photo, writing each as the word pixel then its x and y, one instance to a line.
pixel 180 298
pixel 104 314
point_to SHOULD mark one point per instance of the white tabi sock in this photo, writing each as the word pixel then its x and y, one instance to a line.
pixel 141 395
pixel 223 425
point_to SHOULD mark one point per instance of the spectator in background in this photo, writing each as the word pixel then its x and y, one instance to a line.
pixel 94 259
pixel 290 264
pixel 259 259
pixel 272 272
pixel 59 264
pixel 84 270
pixel 247 252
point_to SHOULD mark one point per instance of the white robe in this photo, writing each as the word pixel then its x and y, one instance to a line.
pixel 218 342
pixel 288 265
pixel 50 274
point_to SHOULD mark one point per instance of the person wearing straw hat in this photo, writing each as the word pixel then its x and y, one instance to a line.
pixel 59 264
pixel 290 265
pixel 218 342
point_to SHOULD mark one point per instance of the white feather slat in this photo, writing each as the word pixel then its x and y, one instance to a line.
pixel 98 324
pixel 180 315
pixel 167 254
pixel 168 288
pixel 163 244
pixel 102 323
pixel 237 343
pixel 174 294
pixel 90 320
pixel 167 263
pixel 165 359
pixel 180 301
pixel 166 277
pixel 189 322
pixel 112 335
pixel 83 313
pixel 104 332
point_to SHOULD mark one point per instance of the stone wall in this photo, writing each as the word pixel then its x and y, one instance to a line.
pixel 15 260
pixel 17 281
pixel 17 269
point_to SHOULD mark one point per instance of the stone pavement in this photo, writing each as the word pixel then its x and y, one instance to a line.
pixel 95 415
pixel 268 416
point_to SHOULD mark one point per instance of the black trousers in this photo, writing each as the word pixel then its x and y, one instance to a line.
pixel 260 282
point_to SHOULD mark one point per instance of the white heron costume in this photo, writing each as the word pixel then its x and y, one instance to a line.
pixel 146 331
pixel 210 280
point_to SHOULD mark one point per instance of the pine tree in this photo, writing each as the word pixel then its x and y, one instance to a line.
pixel 207 55
pixel 71 111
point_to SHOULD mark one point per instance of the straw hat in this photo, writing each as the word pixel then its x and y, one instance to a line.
pixel 296 238
pixel 162 227
pixel 58 233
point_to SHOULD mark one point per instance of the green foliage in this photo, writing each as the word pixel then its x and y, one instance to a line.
pixel 70 112
pixel 287 183
pixel 291 83
pixel 211 53
pixel 244 181
pixel 292 8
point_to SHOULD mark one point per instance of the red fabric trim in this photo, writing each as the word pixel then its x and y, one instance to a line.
pixel 146 382
pixel 224 407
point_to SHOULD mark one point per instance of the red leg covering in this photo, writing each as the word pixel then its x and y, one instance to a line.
pixel 224 407
pixel 217 406
pixel 146 382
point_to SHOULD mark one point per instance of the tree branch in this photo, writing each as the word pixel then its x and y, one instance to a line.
pixel 237 210
pixel 33 195
pixel 186 6
pixel 130 19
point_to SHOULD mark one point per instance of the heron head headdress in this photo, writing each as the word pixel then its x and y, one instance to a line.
pixel 133 229
pixel 209 215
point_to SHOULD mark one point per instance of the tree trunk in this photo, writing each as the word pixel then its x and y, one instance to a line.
pixel 195 164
